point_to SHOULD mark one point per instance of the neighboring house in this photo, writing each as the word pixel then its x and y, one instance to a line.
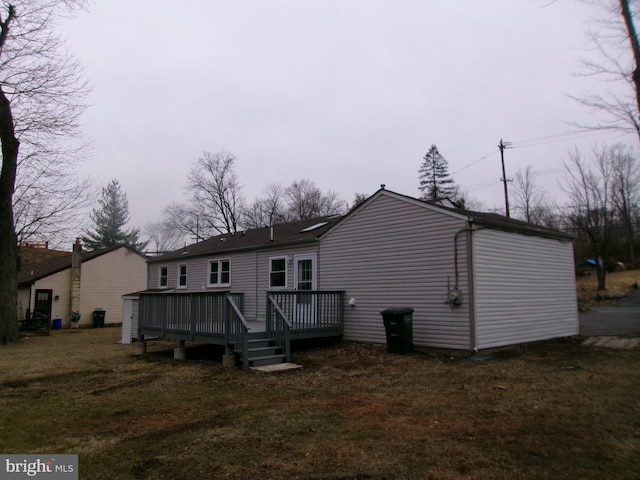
pixel 103 276
pixel 475 280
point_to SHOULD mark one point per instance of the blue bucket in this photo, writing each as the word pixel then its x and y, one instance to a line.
pixel 56 323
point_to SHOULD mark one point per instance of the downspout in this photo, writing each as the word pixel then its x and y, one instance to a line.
pixel 471 303
pixel 473 333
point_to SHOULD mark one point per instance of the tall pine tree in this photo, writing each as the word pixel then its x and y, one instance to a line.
pixel 435 182
pixel 110 220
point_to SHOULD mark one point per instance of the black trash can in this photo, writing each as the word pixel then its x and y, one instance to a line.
pixel 98 318
pixel 398 323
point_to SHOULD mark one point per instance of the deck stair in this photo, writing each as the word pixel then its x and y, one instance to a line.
pixel 262 351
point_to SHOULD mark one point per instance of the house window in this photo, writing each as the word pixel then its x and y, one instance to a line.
pixel 182 276
pixel 219 273
pixel 278 272
pixel 164 277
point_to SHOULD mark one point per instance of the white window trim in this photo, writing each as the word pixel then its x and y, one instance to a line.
pixel 160 276
pixel 286 272
pixel 186 275
pixel 219 262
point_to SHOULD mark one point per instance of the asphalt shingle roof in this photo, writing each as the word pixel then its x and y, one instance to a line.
pixel 283 234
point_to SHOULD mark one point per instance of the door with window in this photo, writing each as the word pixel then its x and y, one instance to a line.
pixel 43 303
pixel 305 283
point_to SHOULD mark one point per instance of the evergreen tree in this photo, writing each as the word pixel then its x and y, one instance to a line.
pixel 435 182
pixel 110 220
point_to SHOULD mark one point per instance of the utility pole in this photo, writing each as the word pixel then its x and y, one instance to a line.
pixel 503 146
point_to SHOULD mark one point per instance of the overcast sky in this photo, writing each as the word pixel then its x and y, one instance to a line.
pixel 347 93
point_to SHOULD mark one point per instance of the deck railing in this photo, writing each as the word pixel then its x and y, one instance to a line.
pixel 308 312
pixel 195 316
pixel 278 326
pixel 236 328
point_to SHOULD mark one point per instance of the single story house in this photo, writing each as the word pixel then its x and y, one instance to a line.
pixel 474 280
pixel 57 284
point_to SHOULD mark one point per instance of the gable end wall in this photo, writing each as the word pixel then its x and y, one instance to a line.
pixel 395 253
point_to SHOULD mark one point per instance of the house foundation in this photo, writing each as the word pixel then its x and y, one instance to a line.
pixel 180 352
pixel 229 360
pixel 140 348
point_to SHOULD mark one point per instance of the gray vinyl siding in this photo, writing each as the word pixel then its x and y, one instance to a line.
pixel 263 269
pixel 243 280
pixel 152 275
pixel 249 275
pixel 398 253
pixel 524 288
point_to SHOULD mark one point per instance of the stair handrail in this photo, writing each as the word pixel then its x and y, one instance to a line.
pixel 282 337
pixel 231 334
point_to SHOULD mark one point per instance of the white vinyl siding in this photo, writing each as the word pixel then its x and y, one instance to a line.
pixel 398 253
pixel 60 283
pixel 106 278
pixel 524 288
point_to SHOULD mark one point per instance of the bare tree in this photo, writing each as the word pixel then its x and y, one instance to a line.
pixel 267 210
pixel 592 212
pixel 305 200
pixel 50 204
pixel 530 200
pixel 40 93
pixel 617 61
pixel 162 236
pixel 215 203
pixel 626 191
pixel 359 199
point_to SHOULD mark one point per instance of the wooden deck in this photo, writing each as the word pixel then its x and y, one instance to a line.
pixel 217 318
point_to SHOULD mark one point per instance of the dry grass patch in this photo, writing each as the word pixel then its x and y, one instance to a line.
pixel 618 284
pixel 554 410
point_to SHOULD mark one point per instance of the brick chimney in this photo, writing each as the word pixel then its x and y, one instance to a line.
pixel 75 276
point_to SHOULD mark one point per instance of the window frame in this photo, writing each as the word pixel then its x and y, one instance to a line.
pixel 180 276
pixel 285 272
pixel 165 276
pixel 219 262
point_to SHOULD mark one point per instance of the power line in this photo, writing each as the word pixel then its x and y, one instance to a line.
pixel 538 141
pixel 561 137
pixel 475 162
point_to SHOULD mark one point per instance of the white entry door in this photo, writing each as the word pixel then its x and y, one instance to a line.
pixel 305 281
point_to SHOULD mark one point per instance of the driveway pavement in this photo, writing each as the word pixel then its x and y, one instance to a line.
pixel 621 318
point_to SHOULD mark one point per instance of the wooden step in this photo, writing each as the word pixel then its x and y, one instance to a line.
pixel 266 360
pixel 263 351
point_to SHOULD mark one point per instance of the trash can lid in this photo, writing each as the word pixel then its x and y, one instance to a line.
pixel 397 311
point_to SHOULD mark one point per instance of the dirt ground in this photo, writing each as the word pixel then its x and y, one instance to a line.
pixel 552 410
